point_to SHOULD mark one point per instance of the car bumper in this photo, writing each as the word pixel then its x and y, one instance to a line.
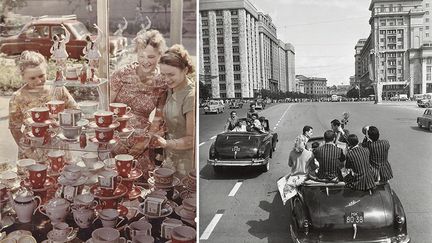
pixel 406 239
pixel 253 162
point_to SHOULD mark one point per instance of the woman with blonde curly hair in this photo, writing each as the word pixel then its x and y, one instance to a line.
pixel 140 86
pixel 32 67
pixel 179 111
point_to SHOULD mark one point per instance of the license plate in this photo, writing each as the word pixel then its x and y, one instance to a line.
pixel 354 218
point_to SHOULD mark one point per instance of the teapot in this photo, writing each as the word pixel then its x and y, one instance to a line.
pixel 55 209
pixel 24 203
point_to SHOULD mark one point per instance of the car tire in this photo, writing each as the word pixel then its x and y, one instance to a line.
pixel 218 169
pixel 430 127
pixel 419 125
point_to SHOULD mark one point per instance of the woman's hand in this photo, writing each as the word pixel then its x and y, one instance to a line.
pixel 160 142
pixel 137 149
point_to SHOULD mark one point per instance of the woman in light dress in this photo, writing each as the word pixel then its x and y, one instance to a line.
pixel 59 53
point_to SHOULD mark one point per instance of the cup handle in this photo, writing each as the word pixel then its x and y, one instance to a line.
pixel 151 173
pixel 128 109
pixel 71 231
pixel 95 203
pixel 115 117
pixel 128 231
pixel 134 164
pixel 39 208
pixel 121 221
pixel 121 179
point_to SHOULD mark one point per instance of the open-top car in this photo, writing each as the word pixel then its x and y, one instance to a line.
pixel 235 104
pixel 259 104
pixel 324 211
pixel 243 148
pixel 426 101
pixel 425 120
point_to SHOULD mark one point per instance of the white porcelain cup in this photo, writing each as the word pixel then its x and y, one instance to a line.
pixel 139 227
pixel 90 159
pixel 85 200
pixel 71 172
pixel 109 218
pixel 84 217
pixel 105 235
pixel 8 178
pixel 61 231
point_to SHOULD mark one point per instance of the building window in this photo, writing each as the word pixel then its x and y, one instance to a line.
pixel 234 12
pixel 205 32
pixel 382 8
pixel 206 59
pixel 223 95
pixel 204 14
pixel 400 71
pixel 429 60
pixel 399 62
pixel 221 50
pixel 391 32
pixel 222 77
pixel 236 49
pixel 391 8
pixel 236 67
pixel 205 23
pixel 400 7
pixel 235 40
pixel 427 5
pixel 427 27
pixel 382 32
pixel 219 21
pixel 238 95
pixel 222 86
pixel 221 59
pixel 400 46
pixel 237 77
pixel 382 39
pixel 400 22
pixel 219 13
pixel 427 20
pixel 237 86
pixel 391 62
pixel 427 12
pixel 400 39
pixel 220 40
pixel 427 34
pixel 206 50
pixel 220 31
pixel 206 69
pixel 205 41
pixel 234 20
pixel 391 22
pixel 235 30
pixel 400 32
pixel 221 68
pixel 236 58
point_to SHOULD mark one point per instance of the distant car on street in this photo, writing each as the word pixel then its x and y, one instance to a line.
pixel 425 120
pixel 426 101
pixel 249 148
pixel 336 98
pixel 324 211
pixel 235 104
pixel 260 104
pixel 37 35
pixel 214 106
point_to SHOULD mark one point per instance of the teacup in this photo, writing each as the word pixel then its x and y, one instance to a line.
pixel 69 117
pixel 122 124
pixel 110 163
pixel 39 129
pixel 39 114
pixel 162 176
pixel 26 239
pixel 153 204
pixel 85 200
pixel 124 164
pixel 183 234
pixel 56 106
pixel 119 109
pixel 8 178
pixel 83 217
pixel 105 235
pixel 104 135
pixel 189 204
pixel 56 160
pixel 90 159
pixel 109 218
pixel 61 231
pixel 104 118
pixel 72 172
pixel 167 225
pixel 139 227
pixel 71 132
pixel 142 238
pixel 109 179
pixel 37 175
pixel 56 209
pixel 88 107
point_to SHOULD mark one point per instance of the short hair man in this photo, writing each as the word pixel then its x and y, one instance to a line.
pixel 357 160
pixel 341 134
pixel 231 121
pixel 329 157
pixel 379 155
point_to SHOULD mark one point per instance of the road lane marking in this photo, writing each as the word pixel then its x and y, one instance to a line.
pixel 212 225
pixel 235 189
pixel 201 144
pixel 277 124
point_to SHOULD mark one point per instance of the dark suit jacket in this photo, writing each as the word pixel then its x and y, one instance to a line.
pixel 357 160
pixel 379 158
pixel 330 159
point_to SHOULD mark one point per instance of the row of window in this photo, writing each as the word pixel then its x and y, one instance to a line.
pixel 237 95
pixel 392 32
pixel 220 40
pixel 391 22
pixel 237 77
pixel 390 8
pixel 236 86
pixel 219 13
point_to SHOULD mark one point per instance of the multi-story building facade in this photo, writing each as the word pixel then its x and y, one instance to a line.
pixel 398 53
pixel 357 56
pixel 314 86
pixel 239 50
pixel 299 84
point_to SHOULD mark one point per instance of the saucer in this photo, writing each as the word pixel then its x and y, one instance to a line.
pixel 180 212
pixel 49 121
pixel 49 182
pixel 33 137
pixel 169 208
pixel 125 132
pixel 96 166
pixel 65 139
pixel 93 125
pixel 120 191
pixel 187 194
pixel 112 141
pixel 175 182
pixel 70 238
pixel 134 193
pixel 123 211
pixel 126 116
pixel 121 240
pixel 65 182
pixel 133 175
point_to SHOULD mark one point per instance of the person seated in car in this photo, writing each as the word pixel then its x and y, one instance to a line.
pixel 231 121
pixel 252 111
pixel 240 126
pixel 378 158
pixel 341 134
pixel 256 124
pixel 263 122
pixel 300 159
pixel 329 157
pixel 360 176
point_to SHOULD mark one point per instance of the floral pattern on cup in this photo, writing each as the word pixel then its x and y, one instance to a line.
pixel 104 118
pixel 56 106
pixel 39 114
pixel 119 109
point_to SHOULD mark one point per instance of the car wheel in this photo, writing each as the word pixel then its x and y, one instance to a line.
pixel 218 169
pixel 430 127
pixel 419 125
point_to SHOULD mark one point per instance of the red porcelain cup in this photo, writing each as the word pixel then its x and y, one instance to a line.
pixel 183 234
pixel 119 109
pixel 56 106
pixel 104 118
pixel 37 175
pixel 39 114
pixel 162 176
pixel 124 164
pixel 123 124
pixel 110 203
pixel 104 134
pixel 56 160
pixel 39 129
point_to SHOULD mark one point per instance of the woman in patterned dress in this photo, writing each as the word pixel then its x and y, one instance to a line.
pixel 179 111
pixel 32 67
pixel 140 86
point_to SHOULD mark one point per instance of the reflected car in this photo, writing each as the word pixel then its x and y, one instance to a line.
pixel 325 211
pixel 37 36
pixel 425 120
pixel 426 101
pixel 249 148
pixel 214 106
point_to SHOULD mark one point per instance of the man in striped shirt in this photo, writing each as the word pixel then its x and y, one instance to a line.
pixel 378 157
pixel 357 161
pixel 329 157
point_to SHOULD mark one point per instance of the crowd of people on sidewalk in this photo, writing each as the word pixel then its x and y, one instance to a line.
pixel 342 157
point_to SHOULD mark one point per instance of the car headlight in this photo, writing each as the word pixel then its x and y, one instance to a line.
pixel 401 238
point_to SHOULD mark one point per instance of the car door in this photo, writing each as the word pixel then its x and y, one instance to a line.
pixel 36 38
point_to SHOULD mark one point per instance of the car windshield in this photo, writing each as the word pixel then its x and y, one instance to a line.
pixel 81 30
pixel 237 140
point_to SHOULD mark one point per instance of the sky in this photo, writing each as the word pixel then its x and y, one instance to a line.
pixel 323 32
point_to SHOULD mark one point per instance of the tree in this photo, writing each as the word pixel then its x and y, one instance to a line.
pixel 165 4
pixel 353 93
pixel 9 5
pixel 204 90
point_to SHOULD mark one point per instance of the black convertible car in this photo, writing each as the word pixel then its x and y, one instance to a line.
pixel 330 212
pixel 247 148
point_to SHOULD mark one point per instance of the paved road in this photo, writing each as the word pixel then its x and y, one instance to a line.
pixel 254 212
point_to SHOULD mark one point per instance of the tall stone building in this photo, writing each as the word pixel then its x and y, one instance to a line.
pixel 317 87
pixel 239 50
pixel 398 53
